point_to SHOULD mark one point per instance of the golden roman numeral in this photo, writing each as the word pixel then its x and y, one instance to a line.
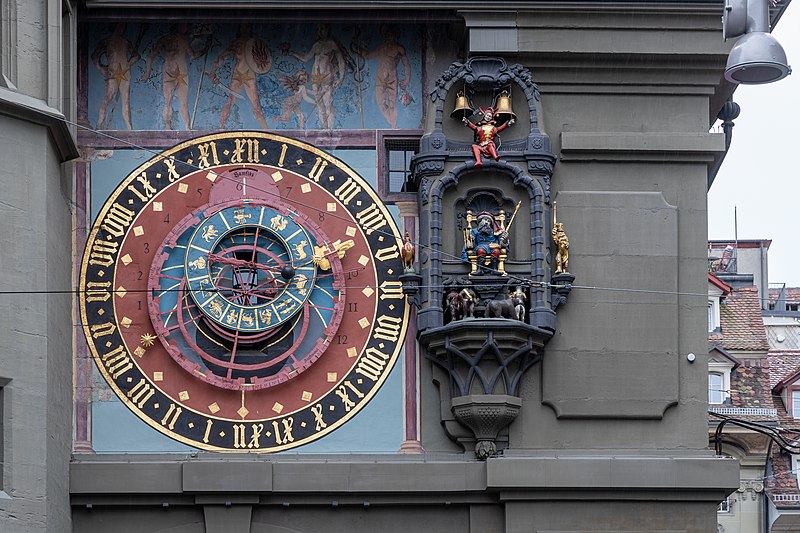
pixel 347 191
pixel 371 219
pixel 317 169
pixel 101 330
pixel 172 416
pixel 342 393
pixel 171 170
pixel 238 155
pixel 117 219
pixel 392 290
pixel 287 437
pixel 117 362
pixel 147 192
pixel 388 328
pixel 97 291
pixel 239 436
pixel 102 253
pixel 283 155
pixel 320 422
pixel 372 364
pixel 209 424
pixel 140 393
pixel 385 254
pixel 207 150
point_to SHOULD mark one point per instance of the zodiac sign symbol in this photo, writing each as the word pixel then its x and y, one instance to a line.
pixel 300 248
pixel 265 315
pixel 206 292
pixel 300 284
pixel 247 319
pixel 216 308
pixel 209 233
pixel 278 223
pixel 287 309
pixel 200 262
pixel 231 318
pixel 239 216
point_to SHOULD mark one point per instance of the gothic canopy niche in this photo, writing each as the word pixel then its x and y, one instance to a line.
pixel 447 178
pixel 486 307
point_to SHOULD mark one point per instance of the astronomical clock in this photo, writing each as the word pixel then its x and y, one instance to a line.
pixel 241 292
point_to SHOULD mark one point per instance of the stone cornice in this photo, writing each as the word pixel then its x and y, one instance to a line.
pixel 29 109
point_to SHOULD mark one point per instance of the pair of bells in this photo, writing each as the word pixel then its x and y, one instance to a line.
pixel 502 109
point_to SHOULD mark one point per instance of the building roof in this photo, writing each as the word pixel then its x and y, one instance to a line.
pixel 741 325
pixel 721 285
pixel 784 369
pixel 741 243
pixel 790 294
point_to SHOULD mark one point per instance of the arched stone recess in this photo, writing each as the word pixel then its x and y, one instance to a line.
pixel 532 269
pixel 445 161
pixel 481 352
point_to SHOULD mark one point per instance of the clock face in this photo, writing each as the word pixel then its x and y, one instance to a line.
pixel 241 292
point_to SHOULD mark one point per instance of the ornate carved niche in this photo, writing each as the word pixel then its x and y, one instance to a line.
pixel 498 165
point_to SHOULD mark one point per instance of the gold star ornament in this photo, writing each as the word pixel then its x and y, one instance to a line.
pixel 147 340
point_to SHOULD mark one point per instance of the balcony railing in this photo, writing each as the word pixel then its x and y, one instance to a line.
pixel 785 497
pixel 746 411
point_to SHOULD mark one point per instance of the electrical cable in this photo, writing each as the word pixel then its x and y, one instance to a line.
pixel 517 278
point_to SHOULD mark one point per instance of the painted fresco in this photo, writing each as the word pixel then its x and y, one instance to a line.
pixel 260 76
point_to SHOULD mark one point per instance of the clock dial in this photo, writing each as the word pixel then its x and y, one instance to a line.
pixel 241 292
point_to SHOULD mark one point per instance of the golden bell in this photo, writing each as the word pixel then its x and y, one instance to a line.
pixel 462 108
pixel 503 109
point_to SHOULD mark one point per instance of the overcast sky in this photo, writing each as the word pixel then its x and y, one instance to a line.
pixel 761 175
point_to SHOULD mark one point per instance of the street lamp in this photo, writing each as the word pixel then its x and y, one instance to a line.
pixel 757 57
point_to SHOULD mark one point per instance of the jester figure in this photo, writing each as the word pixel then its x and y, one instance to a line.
pixel 485 132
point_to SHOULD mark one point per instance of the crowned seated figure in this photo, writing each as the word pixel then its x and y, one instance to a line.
pixel 486 245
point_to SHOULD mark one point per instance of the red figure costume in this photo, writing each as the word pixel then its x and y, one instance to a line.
pixel 485 132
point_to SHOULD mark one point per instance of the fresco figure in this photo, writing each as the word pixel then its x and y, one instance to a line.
pixel 387 84
pixel 327 72
pixel 120 55
pixel 251 57
pixel 299 92
pixel 174 47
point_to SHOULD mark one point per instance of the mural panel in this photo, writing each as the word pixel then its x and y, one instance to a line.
pixel 263 76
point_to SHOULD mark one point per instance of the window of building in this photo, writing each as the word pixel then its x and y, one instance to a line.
pixel 716 388
pixel 398 164
pixel 725 505
pixel 720 366
pixel 796 404
pixel 711 322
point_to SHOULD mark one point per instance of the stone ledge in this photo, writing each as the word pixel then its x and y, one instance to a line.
pixel 29 109
pixel 675 147
pixel 614 473
pixel 516 477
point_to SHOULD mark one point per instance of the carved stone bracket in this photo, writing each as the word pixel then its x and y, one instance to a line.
pixel 562 287
pixel 751 487
pixel 485 360
pixel 486 415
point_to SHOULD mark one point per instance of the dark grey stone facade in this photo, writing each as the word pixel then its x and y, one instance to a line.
pixel 611 433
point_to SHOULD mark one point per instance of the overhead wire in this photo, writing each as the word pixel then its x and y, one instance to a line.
pixel 517 278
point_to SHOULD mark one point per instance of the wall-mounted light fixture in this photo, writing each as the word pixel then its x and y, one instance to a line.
pixel 757 57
